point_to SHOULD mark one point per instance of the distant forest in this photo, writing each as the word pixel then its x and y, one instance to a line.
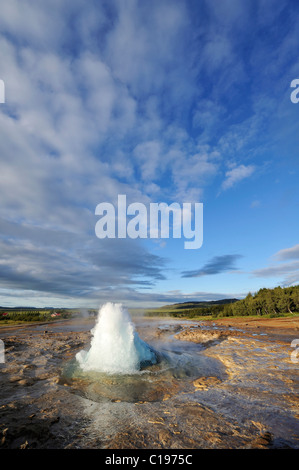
pixel 270 302
pixel 267 302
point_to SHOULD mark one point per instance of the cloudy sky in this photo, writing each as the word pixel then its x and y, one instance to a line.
pixel 163 101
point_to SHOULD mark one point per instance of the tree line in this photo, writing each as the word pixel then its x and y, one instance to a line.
pixel 271 302
pixel 32 315
pixel 267 302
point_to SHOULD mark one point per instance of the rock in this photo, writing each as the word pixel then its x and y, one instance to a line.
pixel 14 379
pixel 166 396
pixel 29 366
pixel 55 419
pixel 164 437
pixel 25 445
pixel 26 382
pixel 264 439
pixel 205 337
pixel 204 383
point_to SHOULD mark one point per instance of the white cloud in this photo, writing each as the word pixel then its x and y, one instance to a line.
pixel 140 58
pixel 289 272
pixel 288 253
pixel 236 175
pixel 148 154
pixel 192 172
pixel 255 203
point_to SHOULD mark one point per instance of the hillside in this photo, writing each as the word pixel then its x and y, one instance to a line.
pixel 199 304
pixel 189 309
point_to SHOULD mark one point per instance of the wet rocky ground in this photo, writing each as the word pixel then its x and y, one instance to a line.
pixel 232 386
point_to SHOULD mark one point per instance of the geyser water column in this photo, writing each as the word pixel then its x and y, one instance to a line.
pixel 115 345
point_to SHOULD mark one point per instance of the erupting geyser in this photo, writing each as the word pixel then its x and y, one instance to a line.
pixel 115 345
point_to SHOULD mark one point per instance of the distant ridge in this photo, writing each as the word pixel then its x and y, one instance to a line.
pixel 25 308
pixel 200 303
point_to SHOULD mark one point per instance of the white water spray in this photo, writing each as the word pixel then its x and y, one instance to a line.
pixel 115 345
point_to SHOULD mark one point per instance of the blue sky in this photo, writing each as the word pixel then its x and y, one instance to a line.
pixel 164 101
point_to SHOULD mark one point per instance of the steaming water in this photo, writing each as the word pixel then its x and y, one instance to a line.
pixel 115 345
pixel 120 366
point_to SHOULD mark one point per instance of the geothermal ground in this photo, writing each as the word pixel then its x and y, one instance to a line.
pixel 226 384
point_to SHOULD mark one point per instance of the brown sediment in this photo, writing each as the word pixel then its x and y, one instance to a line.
pixel 206 382
pixel 277 329
pixel 284 324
